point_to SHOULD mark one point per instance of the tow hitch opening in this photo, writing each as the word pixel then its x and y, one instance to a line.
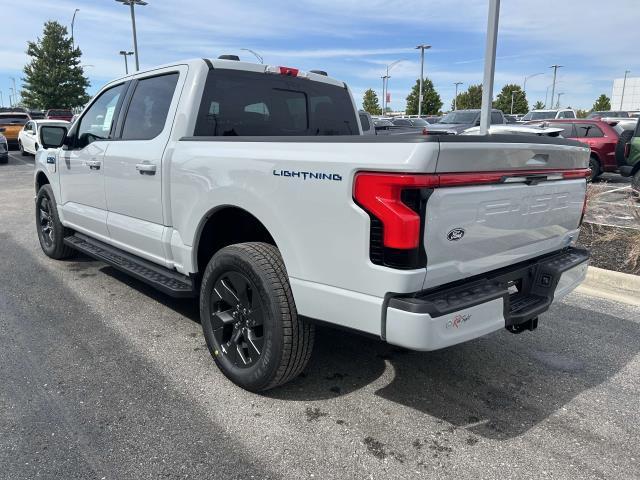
pixel 530 325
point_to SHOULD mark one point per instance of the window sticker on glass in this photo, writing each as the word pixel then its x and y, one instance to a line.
pixel 106 125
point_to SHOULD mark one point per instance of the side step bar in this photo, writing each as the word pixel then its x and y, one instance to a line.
pixel 167 281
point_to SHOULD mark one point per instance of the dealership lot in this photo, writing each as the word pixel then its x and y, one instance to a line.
pixel 106 378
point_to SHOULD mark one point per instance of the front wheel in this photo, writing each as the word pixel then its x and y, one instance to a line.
pixel 51 232
pixel 249 318
pixel 594 165
pixel 23 152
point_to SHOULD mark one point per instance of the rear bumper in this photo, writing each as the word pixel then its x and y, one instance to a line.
pixel 452 314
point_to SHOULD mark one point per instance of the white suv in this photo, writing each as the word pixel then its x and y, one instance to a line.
pixel 548 114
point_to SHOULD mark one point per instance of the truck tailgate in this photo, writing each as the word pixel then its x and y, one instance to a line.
pixel 511 202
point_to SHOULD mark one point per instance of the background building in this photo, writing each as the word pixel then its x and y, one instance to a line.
pixel 631 94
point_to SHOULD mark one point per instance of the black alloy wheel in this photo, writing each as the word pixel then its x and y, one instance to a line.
pixel 237 319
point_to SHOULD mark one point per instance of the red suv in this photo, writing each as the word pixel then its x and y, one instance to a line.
pixel 600 136
pixel 59 114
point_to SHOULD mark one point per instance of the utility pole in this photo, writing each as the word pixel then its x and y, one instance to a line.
pixel 512 95
pixel 384 79
pixel 1 99
pixel 131 4
pixel 422 48
pixel 553 85
pixel 624 84
pixel 385 83
pixel 11 96
pixel 15 91
pixel 73 20
pixel 489 65
pixel 455 100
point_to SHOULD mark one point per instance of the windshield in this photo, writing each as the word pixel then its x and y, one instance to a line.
pixel 419 122
pixel 13 119
pixel 459 117
pixel 63 113
pixel 383 123
pixel 540 115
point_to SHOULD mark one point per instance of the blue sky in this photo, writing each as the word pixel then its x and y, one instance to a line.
pixel 353 40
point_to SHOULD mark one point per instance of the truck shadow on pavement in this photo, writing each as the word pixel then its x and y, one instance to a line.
pixel 498 386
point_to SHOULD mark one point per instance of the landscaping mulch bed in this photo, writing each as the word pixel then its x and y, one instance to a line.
pixel 613 248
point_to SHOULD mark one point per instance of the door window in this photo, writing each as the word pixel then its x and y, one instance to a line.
pixel 96 123
pixel 149 107
pixel 567 129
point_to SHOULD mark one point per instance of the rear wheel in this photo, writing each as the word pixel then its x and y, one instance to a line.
pixel 594 165
pixel 249 318
pixel 51 232
pixel 23 152
pixel 624 138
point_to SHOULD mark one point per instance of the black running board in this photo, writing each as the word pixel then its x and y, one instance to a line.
pixel 167 281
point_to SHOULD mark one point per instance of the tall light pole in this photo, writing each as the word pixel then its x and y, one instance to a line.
pixel 553 85
pixel 131 4
pixel 422 48
pixel 1 99
pixel 259 57
pixel 624 84
pixel 385 82
pixel 12 96
pixel 73 20
pixel 384 79
pixel 524 88
pixel 124 53
pixel 455 99
pixel 558 102
pixel 15 91
pixel 489 65
pixel 512 97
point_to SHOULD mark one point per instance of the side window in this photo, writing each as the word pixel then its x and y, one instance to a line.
pixel 589 131
pixel 402 123
pixel 496 118
pixel 96 123
pixel 569 114
pixel 147 113
pixel 567 129
pixel 364 121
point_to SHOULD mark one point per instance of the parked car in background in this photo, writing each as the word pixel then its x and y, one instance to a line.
pixel 511 118
pixel 625 128
pixel 601 137
pixel 36 114
pixel 4 148
pixel 366 122
pixel 631 165
pixel 12 122
pixel 416 123
pixel 386 126
pixel 610 114
pixel 59 114
pixel 458 121
pixel 29 137
pixel 432 118
pixel 517 129
pixel 548 114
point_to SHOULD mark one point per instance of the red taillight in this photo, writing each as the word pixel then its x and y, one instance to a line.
pixel 627 150
pixel 291 72
pixel 380 195
pixel 425 131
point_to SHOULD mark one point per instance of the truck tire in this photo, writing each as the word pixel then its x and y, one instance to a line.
pixel 594 165
pixel 51 232
pixel 624 138
pixel 249 317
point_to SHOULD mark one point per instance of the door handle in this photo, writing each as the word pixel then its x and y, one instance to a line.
pixel 93 164
pixel 146 168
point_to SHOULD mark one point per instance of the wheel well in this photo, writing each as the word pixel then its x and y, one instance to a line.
pixel 225 227
pixel 41 179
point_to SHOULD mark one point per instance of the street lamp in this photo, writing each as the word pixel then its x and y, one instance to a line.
pixel 422 48
pixel 259 57
pixel 624 84
pixel 385 84
pixel 12 96
pixel 72 22
pixel 455 100
pixel 124 53
pixel 524 88
pixel 553 85
pixel 1 99
pixel 558 103
pixel 131 4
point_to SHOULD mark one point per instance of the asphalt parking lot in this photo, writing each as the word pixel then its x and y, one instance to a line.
pixel 103 377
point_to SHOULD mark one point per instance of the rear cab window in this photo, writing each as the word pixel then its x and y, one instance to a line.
pixel 240 103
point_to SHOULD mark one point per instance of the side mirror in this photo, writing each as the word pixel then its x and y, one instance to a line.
pixel 52 137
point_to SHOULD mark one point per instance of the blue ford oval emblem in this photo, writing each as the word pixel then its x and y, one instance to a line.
pixel 455 234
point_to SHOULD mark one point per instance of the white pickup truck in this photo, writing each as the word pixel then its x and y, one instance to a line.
pixel 251 188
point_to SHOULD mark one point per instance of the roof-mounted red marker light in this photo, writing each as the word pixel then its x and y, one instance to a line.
pixel 286 71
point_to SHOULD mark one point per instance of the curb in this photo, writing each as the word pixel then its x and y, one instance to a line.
pixel 602 283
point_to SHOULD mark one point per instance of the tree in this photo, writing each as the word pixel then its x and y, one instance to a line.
pixel 581 113
pixel 603 103
pixel 431 102
pixel 539 105
pixel 472 98
pixel 503 100
pixel 370 103
pixel 54 78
